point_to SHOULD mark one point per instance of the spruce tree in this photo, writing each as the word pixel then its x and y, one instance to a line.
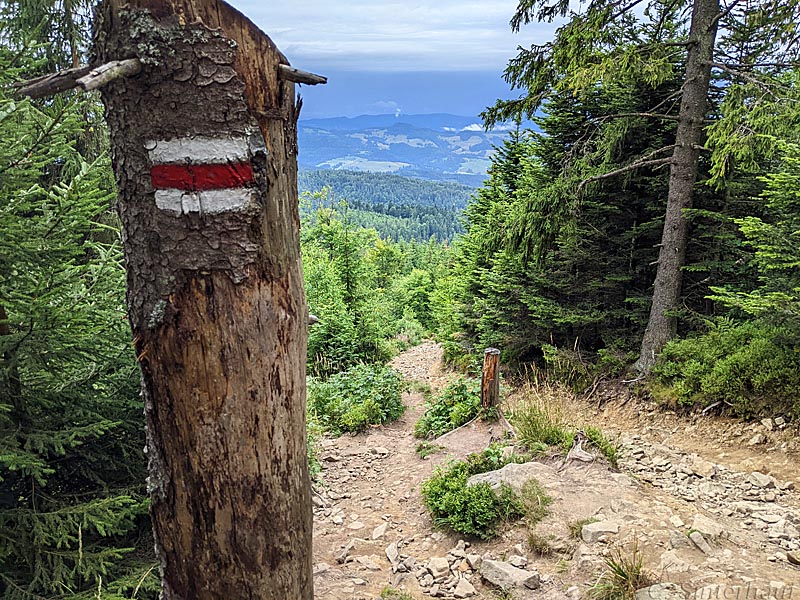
pixel 73 513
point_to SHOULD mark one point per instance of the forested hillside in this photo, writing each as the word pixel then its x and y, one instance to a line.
pixel 399 208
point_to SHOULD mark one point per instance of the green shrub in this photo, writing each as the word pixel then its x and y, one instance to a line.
pixel 353 400
pixel 475 510
pixel 752 367
pixel 457 404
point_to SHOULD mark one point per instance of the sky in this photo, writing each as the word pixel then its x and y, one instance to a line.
pixel 396 57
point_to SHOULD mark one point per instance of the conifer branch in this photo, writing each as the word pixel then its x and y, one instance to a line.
pixel 631 167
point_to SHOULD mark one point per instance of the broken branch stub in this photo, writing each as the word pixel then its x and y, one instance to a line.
pixel 204 143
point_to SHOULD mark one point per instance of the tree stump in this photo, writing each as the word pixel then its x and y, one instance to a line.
pixel 204 142
pixel 490 378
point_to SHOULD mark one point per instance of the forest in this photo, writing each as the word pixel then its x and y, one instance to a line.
pixel 626 182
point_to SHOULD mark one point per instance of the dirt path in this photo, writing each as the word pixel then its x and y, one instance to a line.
pixel 676 476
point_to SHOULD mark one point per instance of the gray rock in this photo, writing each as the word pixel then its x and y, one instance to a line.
pixel 356 525
pixel 439 567
pixel 661 591
pixel 380 531
pixel 793 558
pixel 700 542
pixel 321 568
pixel 707 526
pixel 392 553
pixel 767 423
pixel 516 475
pixel 343 555
pixel 464 589
pixel 676 521
pixel 369 562
pixel 703 468
pixel 380 451
pixel 474 561
pixel 677 540
pixel 768 518
pixel 761 480
pixel 592 532
pixel 518 561
pixel 506 576
pixel 757 439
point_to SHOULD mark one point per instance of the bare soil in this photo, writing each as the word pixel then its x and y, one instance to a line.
pixel 674 467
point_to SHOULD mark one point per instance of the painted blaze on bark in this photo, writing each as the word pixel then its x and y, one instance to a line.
pixel 204 145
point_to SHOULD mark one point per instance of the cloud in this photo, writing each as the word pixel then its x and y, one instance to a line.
pixel 369 35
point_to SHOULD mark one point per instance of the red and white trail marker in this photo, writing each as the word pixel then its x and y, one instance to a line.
pixel 203 175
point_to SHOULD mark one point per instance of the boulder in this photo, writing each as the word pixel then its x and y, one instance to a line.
pixel 506 576
pixel 439 567
pixel 464 589
pixel 516 475
pixel 592 532
pixel 707 526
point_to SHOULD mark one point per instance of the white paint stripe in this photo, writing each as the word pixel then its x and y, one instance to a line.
pixel 199 150
pixel 210 202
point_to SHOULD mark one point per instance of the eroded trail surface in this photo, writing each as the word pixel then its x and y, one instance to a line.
pixel 711 504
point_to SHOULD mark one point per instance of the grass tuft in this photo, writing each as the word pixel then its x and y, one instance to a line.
pixel 623 575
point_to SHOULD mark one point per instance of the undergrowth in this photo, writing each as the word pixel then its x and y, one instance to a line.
pixel 458 403
pixel 425 449
pixel 753 368
pixel 476 510
pixel 354 399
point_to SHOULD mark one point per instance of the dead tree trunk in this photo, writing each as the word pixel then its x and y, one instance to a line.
pixel 661 325
pixel 204 148
pixel 490 378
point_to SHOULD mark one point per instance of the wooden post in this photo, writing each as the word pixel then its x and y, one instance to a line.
pixel 204 142
pixel 490 378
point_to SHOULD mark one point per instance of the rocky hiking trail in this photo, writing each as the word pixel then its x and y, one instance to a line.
pixel 711 504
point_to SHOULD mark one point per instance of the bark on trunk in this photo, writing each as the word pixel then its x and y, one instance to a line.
pixel 204 148
pixel 661 326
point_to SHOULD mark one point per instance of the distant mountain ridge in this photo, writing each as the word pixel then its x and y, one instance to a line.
pixel 439 147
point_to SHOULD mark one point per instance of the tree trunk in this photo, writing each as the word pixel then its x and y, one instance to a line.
pixel 661 326
pixel 490 378
pixel 204 149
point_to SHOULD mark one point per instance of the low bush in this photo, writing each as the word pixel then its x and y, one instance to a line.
pixel 455 405
pixel 475 510
pixel 354 399
pixel 752 367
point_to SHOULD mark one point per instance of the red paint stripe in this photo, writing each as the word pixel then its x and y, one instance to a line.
pixel 199 178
